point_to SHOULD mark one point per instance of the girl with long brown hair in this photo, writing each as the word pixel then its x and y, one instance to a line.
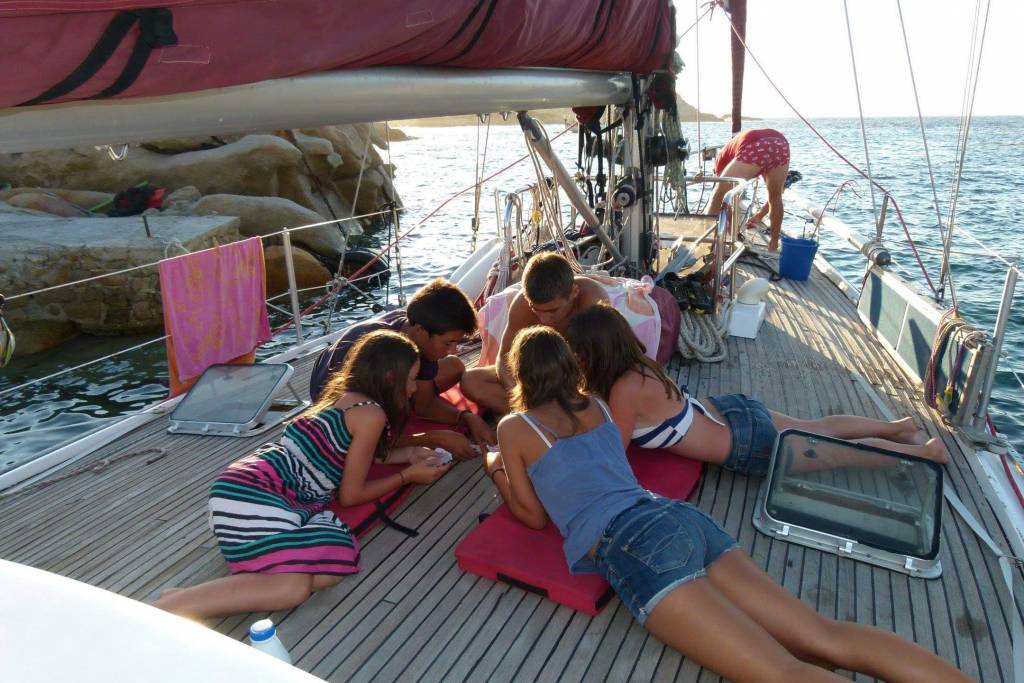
pixel 268 510
pixel 675 569
pixel 734 431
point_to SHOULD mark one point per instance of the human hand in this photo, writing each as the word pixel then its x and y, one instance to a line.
pixel 453 442
pixel 492 461
pixel 425 471
pixel 479 431
pixel 421 453
pixel 757 217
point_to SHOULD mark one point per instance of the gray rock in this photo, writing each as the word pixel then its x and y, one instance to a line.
pixel 46 202
pixel 309 272
pixel 248 166
pixel 265 215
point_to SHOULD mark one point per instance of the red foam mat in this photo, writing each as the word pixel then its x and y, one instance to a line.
pixel 502 548
pixel 362 518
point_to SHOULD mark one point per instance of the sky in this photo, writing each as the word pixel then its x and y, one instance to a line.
pixel 804 48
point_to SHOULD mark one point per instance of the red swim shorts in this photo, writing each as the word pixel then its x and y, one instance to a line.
pixel 766 152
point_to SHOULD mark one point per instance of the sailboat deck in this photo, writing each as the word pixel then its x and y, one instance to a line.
pixel 138 525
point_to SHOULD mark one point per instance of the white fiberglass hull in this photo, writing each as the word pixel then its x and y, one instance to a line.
pixel 59 629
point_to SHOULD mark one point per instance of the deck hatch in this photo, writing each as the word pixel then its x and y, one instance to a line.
pixel 873 505
pixel 236 400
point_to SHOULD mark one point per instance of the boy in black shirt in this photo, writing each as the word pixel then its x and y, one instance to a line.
pixel 437 318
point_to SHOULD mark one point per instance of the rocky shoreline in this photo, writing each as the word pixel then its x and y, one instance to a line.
pixel 55 229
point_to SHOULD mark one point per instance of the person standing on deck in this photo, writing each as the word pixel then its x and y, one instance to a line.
pixel 759 152
pixel 438 317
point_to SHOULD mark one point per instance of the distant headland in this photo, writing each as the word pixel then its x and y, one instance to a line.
pixel 687 114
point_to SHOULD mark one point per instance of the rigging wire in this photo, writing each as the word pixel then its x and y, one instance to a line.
pixel 990 251
pixel 480 169
pixel 711 7
pixel 395 221
pixel 972 83
pixel 549 200
pixel 700 147
pixel 860 111
pixel 920 121
pixel 328 321
pixel 1019 380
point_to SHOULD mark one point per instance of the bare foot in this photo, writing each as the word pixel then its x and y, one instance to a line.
pixel 904 424
pixel 933 449
pixel 170 591
pixel 917 438
pixel 909 433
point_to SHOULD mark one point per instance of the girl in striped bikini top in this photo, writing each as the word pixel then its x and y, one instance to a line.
pixel 733 430
pixel 650 410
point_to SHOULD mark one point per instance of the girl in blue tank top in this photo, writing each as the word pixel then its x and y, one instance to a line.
pixel 678 572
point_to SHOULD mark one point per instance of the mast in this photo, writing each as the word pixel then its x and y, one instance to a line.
pixel 738 11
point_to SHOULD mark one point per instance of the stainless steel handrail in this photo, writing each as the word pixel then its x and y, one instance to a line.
pixel 725 233
pixel 998 334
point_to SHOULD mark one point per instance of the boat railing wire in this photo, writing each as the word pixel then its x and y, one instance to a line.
pixel 199 251
pixel 156 340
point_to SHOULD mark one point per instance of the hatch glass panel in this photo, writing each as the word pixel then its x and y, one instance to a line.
pixel 875 497
pixel 231 394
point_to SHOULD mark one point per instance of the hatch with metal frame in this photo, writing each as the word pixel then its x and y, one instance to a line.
pixel 237 400
pixel 854 500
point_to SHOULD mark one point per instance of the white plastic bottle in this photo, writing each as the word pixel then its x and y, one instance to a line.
pixel 263 637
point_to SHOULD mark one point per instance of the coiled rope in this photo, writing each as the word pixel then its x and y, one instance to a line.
pixel 949 328
pixel 702 336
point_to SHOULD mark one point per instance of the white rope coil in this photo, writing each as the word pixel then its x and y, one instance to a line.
pixel 702 337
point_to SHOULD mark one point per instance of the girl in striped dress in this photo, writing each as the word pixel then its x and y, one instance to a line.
pixel 268 510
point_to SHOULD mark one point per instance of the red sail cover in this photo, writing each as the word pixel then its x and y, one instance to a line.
pixel 222 43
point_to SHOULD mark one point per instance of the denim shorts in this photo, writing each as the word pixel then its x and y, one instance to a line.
pixel 656 546
pixel 753 433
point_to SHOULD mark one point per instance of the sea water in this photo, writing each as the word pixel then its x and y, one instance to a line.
pixel 438 162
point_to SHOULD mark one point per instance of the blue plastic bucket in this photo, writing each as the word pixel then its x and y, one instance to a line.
pixel 796 257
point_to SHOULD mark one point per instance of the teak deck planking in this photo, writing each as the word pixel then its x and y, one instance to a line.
pixel 411 614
